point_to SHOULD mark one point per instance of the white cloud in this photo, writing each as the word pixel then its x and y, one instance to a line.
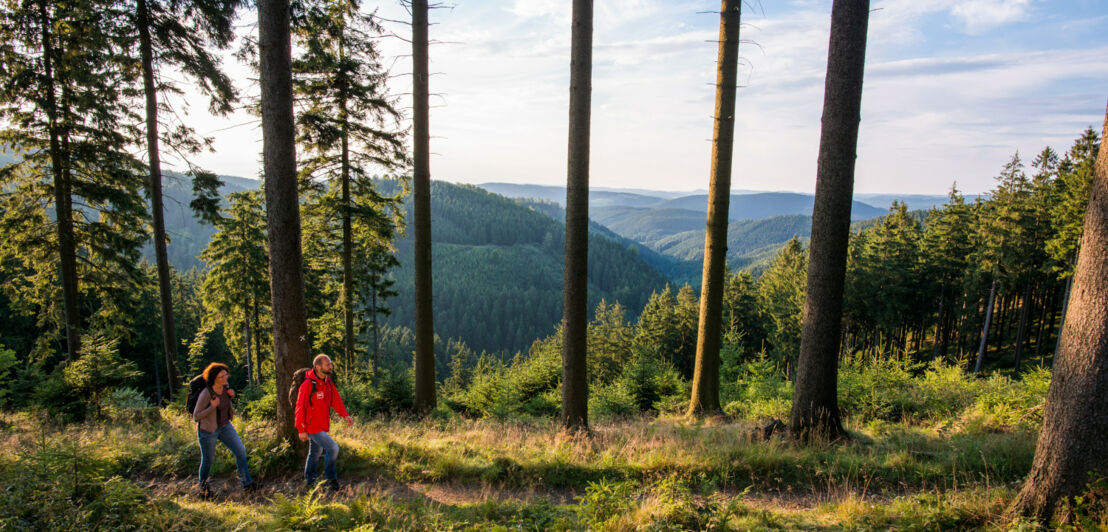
pixel 978 16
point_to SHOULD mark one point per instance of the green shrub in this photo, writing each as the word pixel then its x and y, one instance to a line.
pixel 760 391
pixel 603 503
pixel 879 387
pixel 125 403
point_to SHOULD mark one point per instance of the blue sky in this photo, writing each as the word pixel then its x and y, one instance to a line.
pixel 952 89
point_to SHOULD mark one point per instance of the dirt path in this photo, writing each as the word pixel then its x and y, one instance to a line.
pixel 455 494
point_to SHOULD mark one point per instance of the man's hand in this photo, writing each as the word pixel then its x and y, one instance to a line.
pixel 230 392
pixel 349 420
pixel 303 436
pixel 215 401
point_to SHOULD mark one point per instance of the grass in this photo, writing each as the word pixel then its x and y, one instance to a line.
pixel 454 473
pixel 930 448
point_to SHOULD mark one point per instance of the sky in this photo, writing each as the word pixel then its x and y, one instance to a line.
pixel 953 88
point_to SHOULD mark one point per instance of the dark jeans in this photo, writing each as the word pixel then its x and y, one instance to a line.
pixel 321 442
pixel 230 439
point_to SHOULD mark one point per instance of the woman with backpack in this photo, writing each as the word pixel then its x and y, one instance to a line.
pixel 213 413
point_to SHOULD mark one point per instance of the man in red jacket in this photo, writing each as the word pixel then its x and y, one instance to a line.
pixel 314 402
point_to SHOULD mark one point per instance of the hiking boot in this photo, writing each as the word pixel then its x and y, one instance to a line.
pixel 332 485
pixel 250 488
pixel 205 491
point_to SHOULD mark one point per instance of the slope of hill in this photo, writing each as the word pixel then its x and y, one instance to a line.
pixel 647 225
pixel 498 270
pixel 187 235
pixel 678 271
pixel 597 197
pixel 766 204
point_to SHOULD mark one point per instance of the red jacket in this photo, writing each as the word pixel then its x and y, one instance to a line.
pixel 313 410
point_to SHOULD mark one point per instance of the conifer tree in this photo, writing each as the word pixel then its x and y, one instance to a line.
pixel 347 126
pixel 66 99
pixel 815 404
pixel 705 386
pixel 179 35
pixel 235 290
pixel 575 391
pixel 421 192
pixel 291 348
pixel 1071 448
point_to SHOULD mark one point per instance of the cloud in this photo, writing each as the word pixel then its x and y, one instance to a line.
pixel 979 16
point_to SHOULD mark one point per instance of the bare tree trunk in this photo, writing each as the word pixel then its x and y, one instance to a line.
pixel 575 384
pixel 705 385
pixel 939 322
pixel 985 328
pixel 246 343
pixel 373 317
pixel 1021 329
pixel 421 191
pixel 815 410
pixel 286 276
pixel 257 341
pixel 1062 324
pixel 63 200
pixel 1071 445
pixel 154 190
pixel 347 256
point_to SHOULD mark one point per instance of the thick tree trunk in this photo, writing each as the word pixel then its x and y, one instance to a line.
pixel 246 343
pixel 705 385
pixel 63 200
pixel 985 328
pixel 1071 445
pixel 154 190
pixel 286 276
pixel 421 190
pixel 815 409
pixel 575 385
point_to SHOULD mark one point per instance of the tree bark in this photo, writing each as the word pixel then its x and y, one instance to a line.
pixel 63 200
pixel 1071 445
pixel 575 387
pixel 154 190
pixel 347 254
pixel 985 328
pixel 705 384
pixel 815 410
pixel 286 276
pixel 421 190
pixel 1021 329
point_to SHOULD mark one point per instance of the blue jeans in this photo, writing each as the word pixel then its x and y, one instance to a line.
pixel 230 439
pixel 321 442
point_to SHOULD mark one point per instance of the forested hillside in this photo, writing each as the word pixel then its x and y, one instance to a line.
pixel 188 235
pixel 498 270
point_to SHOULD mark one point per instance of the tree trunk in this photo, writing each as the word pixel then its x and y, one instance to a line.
pixel 815 410
pixel 575 385
pixel 63 201
pixel 985 328
pixel 1062 324
pixel 257 341
pixel 421 190
pixel 939 322
pixel 705 385
pixel 246 343
pixel 286 276
pixel 347 256
pixel 1021 329
pixel 154 190
pixel 373 317
pixel 1072 446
